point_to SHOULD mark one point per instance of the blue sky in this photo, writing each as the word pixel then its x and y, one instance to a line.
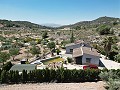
pixel 58 11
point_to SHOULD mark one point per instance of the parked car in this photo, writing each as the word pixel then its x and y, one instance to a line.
pixel 90 67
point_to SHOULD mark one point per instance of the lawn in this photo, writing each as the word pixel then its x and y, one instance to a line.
pixel 57 59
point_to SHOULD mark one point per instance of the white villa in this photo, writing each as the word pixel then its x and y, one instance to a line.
pixel 86 56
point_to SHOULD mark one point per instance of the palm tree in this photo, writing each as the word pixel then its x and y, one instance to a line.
pixel 108 42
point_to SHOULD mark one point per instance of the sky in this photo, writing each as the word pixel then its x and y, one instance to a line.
pixel 61 12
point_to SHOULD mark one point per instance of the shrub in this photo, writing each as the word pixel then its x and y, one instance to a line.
pixel 69 60
pixel 7 66
pixel 112 78
pixel 117 58
pixel 58 51
pixel 35 50
pixel 114 84
pixel 112 54
pixel 104 30
pixel 104 76
pixel 45 35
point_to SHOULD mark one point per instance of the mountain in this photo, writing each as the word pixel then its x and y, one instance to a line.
pixel 20 24
pixel 94 23
pixel 8 24
pixel 51 25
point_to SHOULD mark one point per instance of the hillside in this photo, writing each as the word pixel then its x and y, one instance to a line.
pixel 94 23
pixel 6 24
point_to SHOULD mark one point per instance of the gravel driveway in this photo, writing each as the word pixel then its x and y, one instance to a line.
pixel 56 86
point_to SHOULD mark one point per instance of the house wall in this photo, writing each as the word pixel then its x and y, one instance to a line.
pixel 75 46
pixel 94 59
pixel 72 47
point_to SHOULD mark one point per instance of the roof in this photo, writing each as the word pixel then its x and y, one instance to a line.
pixel 85 50
pixel 70 44
pixel 77 52
pixel 21 67
pixel 90 51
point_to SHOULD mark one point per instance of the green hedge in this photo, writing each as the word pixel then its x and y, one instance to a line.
pixel 50 75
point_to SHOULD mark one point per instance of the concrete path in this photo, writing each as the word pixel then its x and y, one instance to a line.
pixel 109 64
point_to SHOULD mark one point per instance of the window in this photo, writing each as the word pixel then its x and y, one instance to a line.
pixel 71 50
pixel 88 60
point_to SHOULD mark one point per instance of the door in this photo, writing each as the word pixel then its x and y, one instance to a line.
pixel 78 60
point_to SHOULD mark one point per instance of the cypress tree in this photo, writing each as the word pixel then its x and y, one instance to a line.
pixel 24 76
pixel 4 76
pixel 0 72
pixel 72 38
pixel 17 77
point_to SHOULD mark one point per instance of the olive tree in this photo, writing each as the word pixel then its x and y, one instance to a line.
pixel 4 56
pixel 13 52
pixel 51 46
pixel 35 50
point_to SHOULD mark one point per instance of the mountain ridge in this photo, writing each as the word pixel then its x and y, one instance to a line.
pixel 26 24
pixel 94 23
pixel 18 24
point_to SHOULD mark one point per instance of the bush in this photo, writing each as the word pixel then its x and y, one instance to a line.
pixel 45 35
pixel 69 60
pixel 112 54
pixel 112 78
pixel 104 76
pixel 104 30
pixel 117 58
pixel 7 66
pixel 58 51
pixel 114 84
